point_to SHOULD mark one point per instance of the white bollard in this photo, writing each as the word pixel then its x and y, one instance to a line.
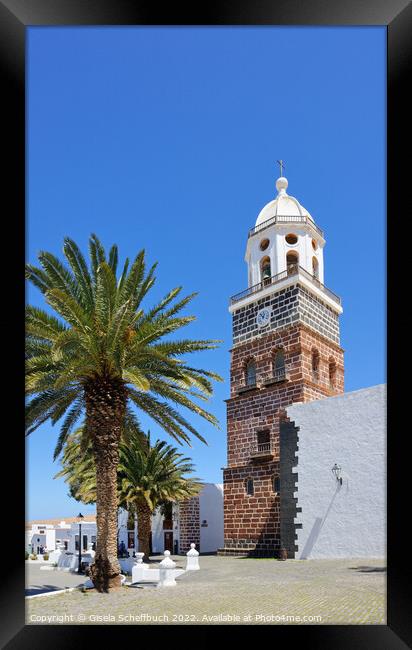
pixel 166 573
pixel 192 563
pixel 139 568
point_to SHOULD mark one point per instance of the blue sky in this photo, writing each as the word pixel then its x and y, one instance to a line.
pixel 167 139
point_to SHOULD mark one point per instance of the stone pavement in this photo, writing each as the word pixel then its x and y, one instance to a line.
pixel 235 591
pixel 40 581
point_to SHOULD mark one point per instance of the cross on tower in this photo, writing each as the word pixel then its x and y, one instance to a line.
pixel 281 165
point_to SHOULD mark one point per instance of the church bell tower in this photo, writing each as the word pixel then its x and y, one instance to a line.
pixel 286 349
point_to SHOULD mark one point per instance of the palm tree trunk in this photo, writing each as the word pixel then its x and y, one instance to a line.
pixel 135 530
pixel 144 519
pixel 105 406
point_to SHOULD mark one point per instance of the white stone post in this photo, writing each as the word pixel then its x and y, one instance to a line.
pixel 192 563
pixel 138 567
pixel 166 571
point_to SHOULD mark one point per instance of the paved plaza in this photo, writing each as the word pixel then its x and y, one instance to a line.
pixel 229 590
pixel 40 581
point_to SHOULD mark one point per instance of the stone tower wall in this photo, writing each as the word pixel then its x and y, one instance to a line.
pixel 253 522
pixel 189 524
pixel 288 306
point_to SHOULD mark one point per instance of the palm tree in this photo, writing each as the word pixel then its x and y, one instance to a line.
pixel 148 476
pixel 100 355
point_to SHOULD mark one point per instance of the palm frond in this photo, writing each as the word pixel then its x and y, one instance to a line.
pixel 113 258
pixel 101 332
pixel 80 271
pixel 70 420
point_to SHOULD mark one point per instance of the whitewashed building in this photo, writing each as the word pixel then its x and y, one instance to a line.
pixel 47 535
pixel 198 520
pixel 333 476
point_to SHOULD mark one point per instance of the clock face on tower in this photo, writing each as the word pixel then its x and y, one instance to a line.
pixel 263 317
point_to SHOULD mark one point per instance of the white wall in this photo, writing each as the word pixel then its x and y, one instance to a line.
pixel 61 535
pixel 211 510
pixel 36 541
pixel 157 532
pixel 51 540
pixel 122 526
pixel 48 539
pixel 350 430
pixel 88 528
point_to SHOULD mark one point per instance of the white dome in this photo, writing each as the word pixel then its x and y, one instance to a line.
pixel 283 205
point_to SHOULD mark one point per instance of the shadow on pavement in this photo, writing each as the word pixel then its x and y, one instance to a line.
pixel 368 569
pixel 43 589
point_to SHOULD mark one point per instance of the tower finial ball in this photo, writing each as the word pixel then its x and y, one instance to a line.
pixel 281 183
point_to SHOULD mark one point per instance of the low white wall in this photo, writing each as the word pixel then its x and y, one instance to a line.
pixel 348 520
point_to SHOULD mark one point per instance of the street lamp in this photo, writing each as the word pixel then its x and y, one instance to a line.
pixel 79 519
pixel 337 472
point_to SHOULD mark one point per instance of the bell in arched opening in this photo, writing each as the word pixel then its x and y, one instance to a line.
pixel 292 262
pixel 265 270
pixel 315 268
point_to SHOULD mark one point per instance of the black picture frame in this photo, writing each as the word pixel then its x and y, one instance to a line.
pixel 15 16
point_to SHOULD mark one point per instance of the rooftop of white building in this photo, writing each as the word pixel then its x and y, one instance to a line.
pixel 61 522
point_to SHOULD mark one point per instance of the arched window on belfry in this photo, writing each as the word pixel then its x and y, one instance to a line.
pixel 265 270
pixel 292 262
pixel 315 365
pixel 315 267
pixel 250 373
